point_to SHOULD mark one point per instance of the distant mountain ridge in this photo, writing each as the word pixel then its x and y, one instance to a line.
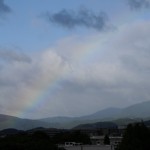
pixel 97 125
pixel 126 115
pixel 107 113
pixel 19 123
pixel 140 110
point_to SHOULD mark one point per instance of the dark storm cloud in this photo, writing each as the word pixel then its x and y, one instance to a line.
pixel 84 17
pixel 139 4
pixel 4 8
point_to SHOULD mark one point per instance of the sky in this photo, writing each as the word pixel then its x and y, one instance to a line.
pixel 73 57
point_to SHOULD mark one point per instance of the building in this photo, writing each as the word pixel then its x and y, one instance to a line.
pixel 99 140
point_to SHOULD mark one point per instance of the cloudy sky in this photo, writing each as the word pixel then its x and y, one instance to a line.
pixel 73 57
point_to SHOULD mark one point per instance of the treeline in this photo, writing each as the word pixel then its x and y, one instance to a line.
pixel 75 136
pixel 40 141
pixel 136 137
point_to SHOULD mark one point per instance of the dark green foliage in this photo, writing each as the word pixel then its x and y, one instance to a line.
pixel 75 136
pixel 41 135
pixel 106 140
pixel 37 141
pixel 97 125
pixel 136 137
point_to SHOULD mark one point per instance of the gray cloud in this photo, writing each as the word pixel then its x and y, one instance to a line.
pixel 4 8
pixel 10 56
pixel 115 74
pixel 138 4
pixel 83 18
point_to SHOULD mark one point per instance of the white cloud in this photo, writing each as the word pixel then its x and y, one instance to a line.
pixel 98 71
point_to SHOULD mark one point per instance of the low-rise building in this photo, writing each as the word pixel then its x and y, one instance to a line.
pixel 99 140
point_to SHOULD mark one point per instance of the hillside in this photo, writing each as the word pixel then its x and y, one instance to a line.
pixel 97 125
pixel 20 124
pixel 107 113
pixel 140 110
pixel 122 116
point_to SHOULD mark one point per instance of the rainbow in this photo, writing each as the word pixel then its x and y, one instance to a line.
pixel 85 53
pixel 37 98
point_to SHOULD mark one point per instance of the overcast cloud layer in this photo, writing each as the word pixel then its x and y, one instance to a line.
pixel 80 71
pixel 116 72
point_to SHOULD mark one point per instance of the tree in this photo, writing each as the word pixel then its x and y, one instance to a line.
pixel 136 137
pixel 37 141
pixel 75 136
pixel 41 135
pixel 106 140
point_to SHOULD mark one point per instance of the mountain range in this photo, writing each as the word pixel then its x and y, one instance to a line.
pixel 133 113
